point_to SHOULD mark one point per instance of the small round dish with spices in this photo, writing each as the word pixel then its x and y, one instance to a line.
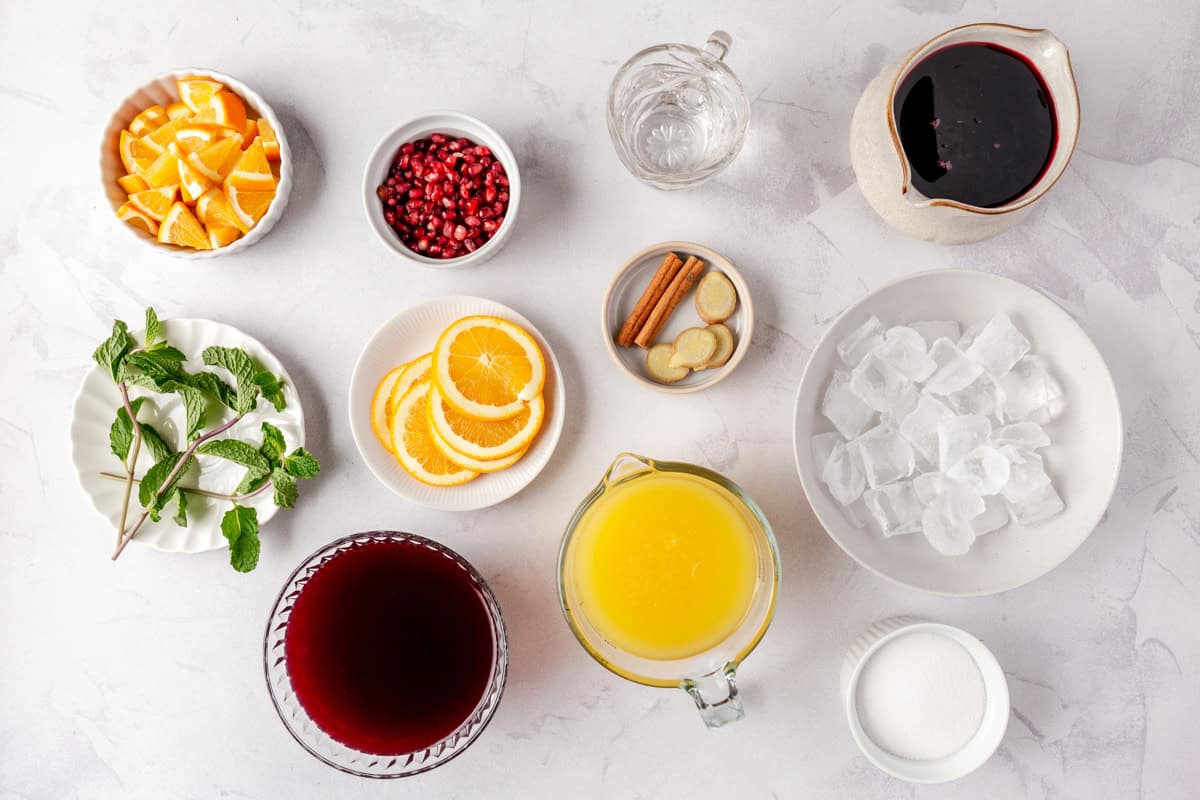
pixel 678 317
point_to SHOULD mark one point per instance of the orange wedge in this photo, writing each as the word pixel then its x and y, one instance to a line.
pixel 128 213
pixel 162 136
pixel 269 139
pixel 413 443
pixel 212 208
pixel 488 368
pixel 252 173
pixel 148 120
pixel 379 406
pixel 132 183
pixel 250 132
pixel 220 235
pixel 164 171
pixel 178 111
pixel 475 465
pixel 209 161
pixel 226 109
pixel 155 203
pixel 180 227
pixel 194 136
pixel 248 207
pixel 486 440
pixel 135 155
pixel 191 183
pixel 196 93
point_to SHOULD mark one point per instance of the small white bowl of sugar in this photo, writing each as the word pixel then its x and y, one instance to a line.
pixel 926 703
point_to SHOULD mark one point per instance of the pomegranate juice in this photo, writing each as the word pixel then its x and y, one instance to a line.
pixel 390 647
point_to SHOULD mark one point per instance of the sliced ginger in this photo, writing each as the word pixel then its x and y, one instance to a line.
pixel 715 297
pixel 724 349
pixel 693 348
pixel 658 360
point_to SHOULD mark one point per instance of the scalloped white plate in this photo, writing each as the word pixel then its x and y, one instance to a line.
pixel 412 333
pixel 96 407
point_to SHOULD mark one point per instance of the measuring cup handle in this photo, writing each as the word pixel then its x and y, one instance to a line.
pixel 718 44
pixel 716 696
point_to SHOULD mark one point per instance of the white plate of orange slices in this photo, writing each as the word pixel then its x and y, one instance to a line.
pixel 457 403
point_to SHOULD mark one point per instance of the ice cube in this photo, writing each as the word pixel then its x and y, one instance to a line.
pixel 947 520
pixel 1031 392
pixel 931 331
pixel 857 513
pixel 993 517
pixel 969 335
pixel 860 341
pixel 1021 435
pixel 1026 475
pixel 955 371
pixel 1037 507
pixel 886 456
pixel 929 485
pixel 985 469
pixel 822 446
pixel 843 474
pixel 920 426
pixel 905 350
pixel 958 436
pixel 998 346
pixel 982 396
pixel 841 406
pixel 895 507
pixel 882 386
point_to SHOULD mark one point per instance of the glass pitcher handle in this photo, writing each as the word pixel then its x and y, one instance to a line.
pixel 718 44
pixel 716 696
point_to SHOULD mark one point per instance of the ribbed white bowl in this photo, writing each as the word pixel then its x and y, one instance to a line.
pixel 96 406
pixel 162 90
pixel 412 333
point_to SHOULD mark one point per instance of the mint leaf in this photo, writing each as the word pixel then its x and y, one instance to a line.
pixel 241 366
pixel 110 355
pixel 213 386
pixel 194 406
pixel 240 527
pixel 271 389
pixel 120 433
pixel 285 488
pixel 158 446
pixel 237 452
pixel 181 511
pixel 301 464
pixel 160 365
pixel 154 329
pixel 273 446
pixel 152 494
pixel 251 481
pixel 142 380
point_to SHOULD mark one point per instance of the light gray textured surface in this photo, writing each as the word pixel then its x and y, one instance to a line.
pixel 143 680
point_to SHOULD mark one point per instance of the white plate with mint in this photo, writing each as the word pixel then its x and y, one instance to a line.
pixel 218 446
pixel 957 432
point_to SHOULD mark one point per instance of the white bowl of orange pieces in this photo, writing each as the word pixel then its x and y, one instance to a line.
pixel 457 403
pixel 195 163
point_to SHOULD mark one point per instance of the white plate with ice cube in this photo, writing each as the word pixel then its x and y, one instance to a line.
pixel 1086 433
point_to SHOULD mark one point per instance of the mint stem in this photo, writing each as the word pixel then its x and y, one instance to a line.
pixel 235 498
pixel 166 484
pixel 132 464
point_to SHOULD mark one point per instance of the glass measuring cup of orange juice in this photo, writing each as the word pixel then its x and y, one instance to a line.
pixel 668 575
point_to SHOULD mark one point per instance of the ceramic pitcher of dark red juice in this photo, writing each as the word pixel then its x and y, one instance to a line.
pixel 957 140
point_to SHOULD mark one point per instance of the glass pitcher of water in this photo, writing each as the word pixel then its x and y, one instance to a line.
pixel 677 114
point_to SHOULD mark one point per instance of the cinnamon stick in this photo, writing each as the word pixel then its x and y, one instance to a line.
pixel 666 272
pixel 679 287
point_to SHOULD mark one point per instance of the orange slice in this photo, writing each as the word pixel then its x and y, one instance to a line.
pixel 191 183
pixel 252 173
pixel 155 203
pixel 250 132
pixel 475 465
pixel 225 108
pixel 194 136
pixel 220 235
pixel 178 111
pixel 135 155
pixel 488 368
pixel 162 136
pixel 196 93
pixel 248 207
pixel 212 208
pixel 413 443
pixel 379 407
pixel 181 227
pixel 132 183
pixel 412 373
pixel 129 213
pixel 209 161
pixel 269 140
pixel 148 120
pixel 486 440
pixel 164 171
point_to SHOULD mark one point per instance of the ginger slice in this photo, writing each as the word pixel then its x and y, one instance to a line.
pixel 724 349
pixel 693 347
pixel 715 297
pixel 657 362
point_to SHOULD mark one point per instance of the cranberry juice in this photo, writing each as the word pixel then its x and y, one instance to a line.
pixel 976 123
pixel 390 647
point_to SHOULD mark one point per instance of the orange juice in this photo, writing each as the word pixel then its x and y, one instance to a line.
pixel 665 565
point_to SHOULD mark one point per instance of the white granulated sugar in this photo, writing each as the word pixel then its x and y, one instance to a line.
pixel 921 696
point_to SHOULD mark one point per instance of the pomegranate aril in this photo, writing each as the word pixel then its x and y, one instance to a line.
pixel 472 220
pixel 437 138
pixel 470 245
pixel 407 148
pixel 490 225
pixel 489 194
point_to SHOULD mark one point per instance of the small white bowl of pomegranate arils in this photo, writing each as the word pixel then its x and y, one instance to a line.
pixel 442 190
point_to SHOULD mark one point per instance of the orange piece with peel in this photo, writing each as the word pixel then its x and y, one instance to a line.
pixel 221 235
pixel 180 227
pixel 148 120
pixel 225 109
pixel 249 207
pixel 178 110
pixel 252 173
pixel 162 136
pixel 130 214
pixel 155 203
pixel 270 141
pixel 196 93
pixel 164 171
pixel 193 136
pixel 135 155
pixel 132 183
pixel 210 161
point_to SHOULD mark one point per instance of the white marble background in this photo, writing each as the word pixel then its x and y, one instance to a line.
pixel 143 680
